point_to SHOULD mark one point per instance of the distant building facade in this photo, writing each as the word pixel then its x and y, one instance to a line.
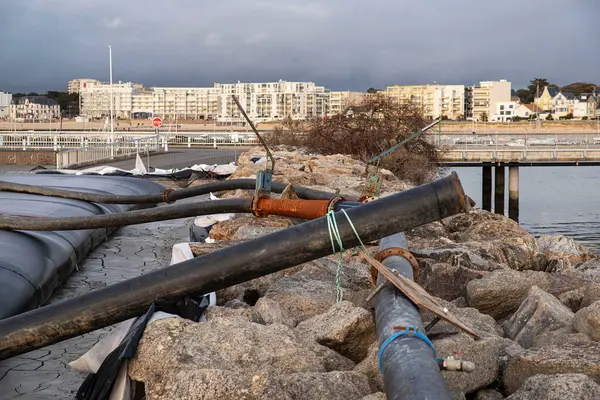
pixel 270 101
pixel 483 101
pixel 34 108
pixel 544 101
pixel 76 85
pixel 5 100
pixel 434 100
pixel 340 101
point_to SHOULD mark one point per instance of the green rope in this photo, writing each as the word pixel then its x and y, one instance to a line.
pixel 335 237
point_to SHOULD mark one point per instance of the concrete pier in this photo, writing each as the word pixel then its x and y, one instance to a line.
pixel 486 187
pixel 499 189
pixel 513 193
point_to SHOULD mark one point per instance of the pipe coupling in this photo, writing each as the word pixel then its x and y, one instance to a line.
pixel 165 196
pixel 396 251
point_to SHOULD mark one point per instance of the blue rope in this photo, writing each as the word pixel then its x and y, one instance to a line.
pixel 409 329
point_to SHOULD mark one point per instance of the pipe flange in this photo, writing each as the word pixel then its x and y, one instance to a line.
pixel 165 196
pixel 333 202
pixel 396 251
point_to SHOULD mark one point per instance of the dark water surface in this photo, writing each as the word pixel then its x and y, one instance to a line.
pixel 553 200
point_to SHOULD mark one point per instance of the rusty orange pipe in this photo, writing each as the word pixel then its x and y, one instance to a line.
pixel 304 209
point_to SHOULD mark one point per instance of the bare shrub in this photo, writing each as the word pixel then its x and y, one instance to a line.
pixel 365 131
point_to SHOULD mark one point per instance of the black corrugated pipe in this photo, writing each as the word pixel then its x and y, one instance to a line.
pixel 409 367
pixel 230 266
pixel 168 196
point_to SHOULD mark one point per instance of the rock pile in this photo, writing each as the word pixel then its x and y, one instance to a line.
pixel 534 302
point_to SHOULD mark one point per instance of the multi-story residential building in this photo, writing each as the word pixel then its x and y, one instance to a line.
pixel 95 100
pixel 505 111
pixel 434 100
pixel 585 105
pixel 76 85
pixel 262 101
pixel 5 99
pixel 340 101
pixel 34 108
pixel 185 103
pixel 273 101
pixel 562 104
pixel 484 99
pixel 544 101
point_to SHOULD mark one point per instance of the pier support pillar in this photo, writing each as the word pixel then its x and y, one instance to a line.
pixel 513 193
pixel 499 189
pixel 486 187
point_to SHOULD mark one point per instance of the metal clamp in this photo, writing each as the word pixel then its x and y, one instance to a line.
pixel 396 251
pixel 165 196
pixel 333 202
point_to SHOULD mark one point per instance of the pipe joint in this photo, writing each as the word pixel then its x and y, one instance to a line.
pixel 452 364
pixel 165 196
pixel 396 251
pixel 295 208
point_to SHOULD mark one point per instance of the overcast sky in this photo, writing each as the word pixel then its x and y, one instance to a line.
pixel 341 44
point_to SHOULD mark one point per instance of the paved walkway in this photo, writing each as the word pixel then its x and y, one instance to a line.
pixel 131 251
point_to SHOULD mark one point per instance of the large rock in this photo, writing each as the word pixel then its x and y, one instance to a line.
pixel 483 324
pixel 232 358
pixel 312 291
pixel 226 230
pixel 347 329
pixel 444 280
pixel 496 238
pixel 559 338
pixel 370 368
pixel 484 353
pixel 501 292
pixel 587 320
pixel 591 294
pixel 562 252
pixel 458 255
pixel 271 312
pixel 246 314
pixel 540 312
pixel 558 387
pixel 246 232
pixel 488 394
pixel 561 359
pixel 375 396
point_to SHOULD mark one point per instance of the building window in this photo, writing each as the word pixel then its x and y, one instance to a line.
pixel 502 107
pixel 501 112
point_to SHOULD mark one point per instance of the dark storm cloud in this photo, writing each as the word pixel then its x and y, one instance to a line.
pixel 342 44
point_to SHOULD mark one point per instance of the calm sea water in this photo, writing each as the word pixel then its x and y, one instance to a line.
pixel 553 200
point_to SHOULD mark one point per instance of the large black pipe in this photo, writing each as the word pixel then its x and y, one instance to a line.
pixel 409 368
pixel 229 266
pixel 167 196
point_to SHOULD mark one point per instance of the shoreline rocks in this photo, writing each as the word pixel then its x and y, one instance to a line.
pixel 534 302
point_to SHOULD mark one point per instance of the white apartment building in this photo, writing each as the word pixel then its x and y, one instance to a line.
pixel 273 101
pixel 5 99
pixel 262 101
pixel 76 85
pixel 185 103
pixel 434 100
pixel 95 100
pixel 34 108
pixel 340 101
pixel 483 101
pixel 505 111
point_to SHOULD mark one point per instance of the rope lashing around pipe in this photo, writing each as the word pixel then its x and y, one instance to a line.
pixel 334 236
pixel 407 330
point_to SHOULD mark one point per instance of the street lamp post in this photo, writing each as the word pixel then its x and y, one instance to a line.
pixel 112 105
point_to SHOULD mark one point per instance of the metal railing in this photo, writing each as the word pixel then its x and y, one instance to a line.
pixel 511 147
pixel 10 140
pixel 89 154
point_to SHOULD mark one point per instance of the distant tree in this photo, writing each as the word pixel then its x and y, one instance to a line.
pixel 373 90
pixel 549 118
pixel 69 103
pixel 568 116
pixel 578 88
pixel 484 117
pixel 584 118
pixel 525 96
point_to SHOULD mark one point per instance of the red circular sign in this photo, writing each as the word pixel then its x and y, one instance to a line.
pixel 157 122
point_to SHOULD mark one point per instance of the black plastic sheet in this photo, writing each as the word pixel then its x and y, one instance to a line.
pixel 34 264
